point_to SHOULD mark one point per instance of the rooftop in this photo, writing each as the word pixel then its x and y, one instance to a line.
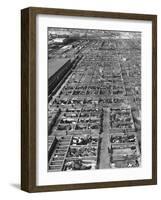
pixel 55 64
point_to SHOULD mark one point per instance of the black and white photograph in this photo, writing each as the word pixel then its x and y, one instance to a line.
pixel 94 99
pixel 89 99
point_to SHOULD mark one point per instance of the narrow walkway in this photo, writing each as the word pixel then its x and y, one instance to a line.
pixel 104 161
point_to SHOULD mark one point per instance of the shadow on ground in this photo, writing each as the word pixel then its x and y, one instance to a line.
pixel 15 185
